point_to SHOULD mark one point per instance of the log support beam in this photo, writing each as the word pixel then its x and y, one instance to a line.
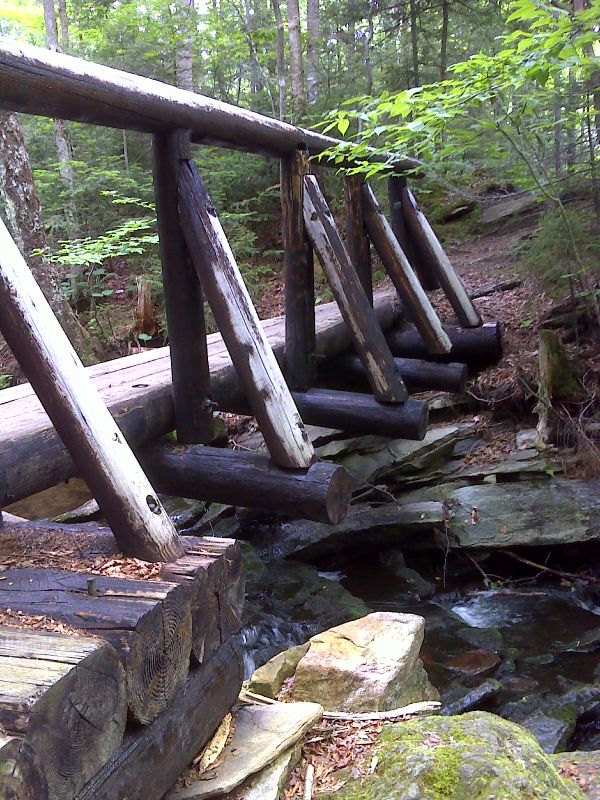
pixel 357 240
pixel 368 338
pixel 403 277
pixel 398 199
pixel 300 338
pixel 322 493
pixel 183 297
pixel 476 347
pixel 250 351
pixel 98 447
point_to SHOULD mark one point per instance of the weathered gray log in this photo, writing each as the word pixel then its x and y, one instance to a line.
pixel 34 80
pixel 21 771
pixel 300 342
pixel 398 198
pixel 356 413
pixel 65 696
pixel 523 513
pixel 357 241
pixel 33 461
pixel 85 425
pixel 402 274
pixel 248 479
pixel 183 297
pixel 215 570
pixel 368 338
pixel 476 347
pixel 439 263
pixel 248 346
pixel 154 757
pixel 147 622
pixel 346 371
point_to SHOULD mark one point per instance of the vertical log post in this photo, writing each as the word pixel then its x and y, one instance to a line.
pixel 454 289
pixel 357 241
pixel 299 276
pixel 138 520
pixel 403 276
pixel 183 297
pixel 397 192
pixel 244 337
pixel 360 318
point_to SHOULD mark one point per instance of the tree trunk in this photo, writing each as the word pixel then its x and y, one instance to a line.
pixel 414 42
pixel 368 40
pixel 558 133
pixel 63 21
pixel 296 62
pixel 313 24
pixel 280 57
pixel 24 219
pixel 184 58
pixel 444 42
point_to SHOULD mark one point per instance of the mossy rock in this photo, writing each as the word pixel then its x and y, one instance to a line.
pixel 476 756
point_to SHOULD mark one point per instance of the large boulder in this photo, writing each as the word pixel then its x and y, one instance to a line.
pixel 476 756
pixel 370 664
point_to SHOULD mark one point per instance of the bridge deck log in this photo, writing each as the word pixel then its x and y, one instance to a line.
pixel 21 773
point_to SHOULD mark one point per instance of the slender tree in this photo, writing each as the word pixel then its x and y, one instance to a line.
pixel 184 53
pixel 296 61
pixel 414 38
pixel 313 25
pixel 281 81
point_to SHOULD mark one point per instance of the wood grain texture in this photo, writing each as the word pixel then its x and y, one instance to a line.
pixel 300 335
pixel 398 200
pixel 439 264
pixel 137 390
pixel 357 240
pixel 85 425
pixel 255 363
pixel 477 347
pixel 402 274
pixel 184 304
pixel 368 338
pixel 34 80
pixel 239 478
pixel 65 696
pixel 152 759
pixel 147 622
pixel 22 774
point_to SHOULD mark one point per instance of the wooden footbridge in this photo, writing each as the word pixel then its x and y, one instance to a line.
pixel 126 677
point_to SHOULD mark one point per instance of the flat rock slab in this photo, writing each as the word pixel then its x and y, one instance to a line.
pixel 544 512
pixel 261 735
pixel 270 782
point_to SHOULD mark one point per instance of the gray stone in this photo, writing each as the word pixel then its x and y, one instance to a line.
pixel 261 734
pixel 475 755
pixel 551 733
pixel 370 664
pixel 268 679
pixel 473 699
pixel 501 210
pixel 270 782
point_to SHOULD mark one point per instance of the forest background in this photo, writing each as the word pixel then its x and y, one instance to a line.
pixel 495 98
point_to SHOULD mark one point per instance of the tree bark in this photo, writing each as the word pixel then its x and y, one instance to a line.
pixel 23 215
pixel 63 21
pixel 296 61
pixel 184 59
pixel 444 40
pixel 414 42
pixel 281 82
pixel 313 24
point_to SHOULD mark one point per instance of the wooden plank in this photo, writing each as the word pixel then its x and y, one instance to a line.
pixel 163 749
pixel 368 338
pixel 65 696
pixel 257 367
pixel 184 304
pixel 397 193
pixel 357 241
pixel 147 622
pixel 477 347
pixel 85 425
pixel 239 478
pixel 300 337
pixel 34 80
pixel 137 390
pixel 402 274
pixel 454 289
pixel 21 771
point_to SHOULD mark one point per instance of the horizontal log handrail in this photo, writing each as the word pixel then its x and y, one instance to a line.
pixel 37 81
